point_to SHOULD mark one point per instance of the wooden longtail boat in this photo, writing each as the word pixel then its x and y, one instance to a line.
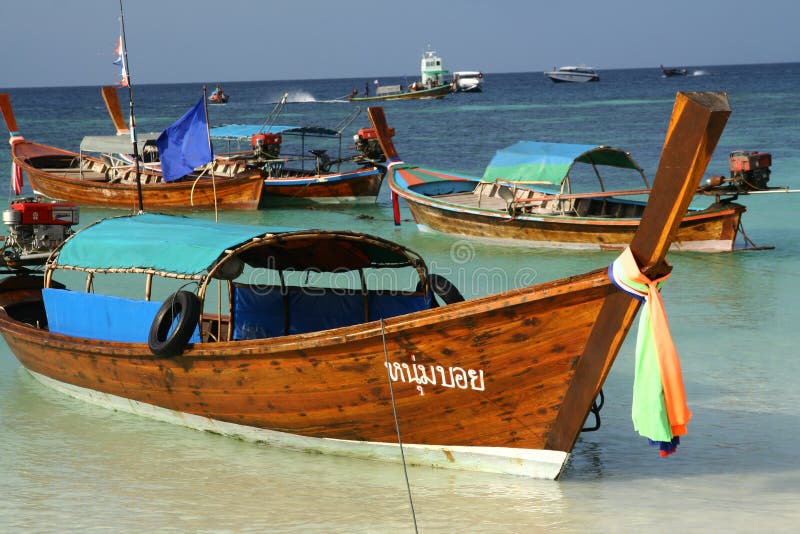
pixel 525 196
pixel 501 383
pixel 99 181
pixel 298 177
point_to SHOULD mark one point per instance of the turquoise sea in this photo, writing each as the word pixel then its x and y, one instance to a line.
pixel 66 466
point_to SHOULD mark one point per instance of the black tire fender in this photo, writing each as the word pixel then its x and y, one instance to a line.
pixel 182 309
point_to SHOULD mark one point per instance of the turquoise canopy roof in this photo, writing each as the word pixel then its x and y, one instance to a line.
pixel 549 163
pixel 166 243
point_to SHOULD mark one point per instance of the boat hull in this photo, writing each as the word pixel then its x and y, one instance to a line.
pixel 434 92
pixel 530 463
pixel 560 76
pixel 488 384
pixel 241 192
pixel 358 186
pixel 714 230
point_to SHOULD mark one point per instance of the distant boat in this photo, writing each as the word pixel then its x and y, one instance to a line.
pixel 467 81
pixel 573 74
pixel 218 96
pixel 669 72
pixel 431 85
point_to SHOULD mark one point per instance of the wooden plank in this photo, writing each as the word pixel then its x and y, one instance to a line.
pixel 114 109
pixel 378 118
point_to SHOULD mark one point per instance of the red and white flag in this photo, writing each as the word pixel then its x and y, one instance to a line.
pixel 121 61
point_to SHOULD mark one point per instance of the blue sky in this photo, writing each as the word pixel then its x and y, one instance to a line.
pixel 60 42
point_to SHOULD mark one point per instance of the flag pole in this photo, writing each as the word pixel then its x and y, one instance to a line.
pixel 211 151
pixel 126 79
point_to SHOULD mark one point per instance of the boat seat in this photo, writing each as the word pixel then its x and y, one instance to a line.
pixel 228 169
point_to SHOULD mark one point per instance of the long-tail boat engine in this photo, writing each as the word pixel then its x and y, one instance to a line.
pixel 369 149
pixel 266 145
pixel 35 229
pixel 749 171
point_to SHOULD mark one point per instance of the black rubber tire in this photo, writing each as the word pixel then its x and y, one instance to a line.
pixel 444 289
pixel 186 307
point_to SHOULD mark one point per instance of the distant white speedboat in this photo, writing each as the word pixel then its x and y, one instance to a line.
pixel 468 81
pixel 573 74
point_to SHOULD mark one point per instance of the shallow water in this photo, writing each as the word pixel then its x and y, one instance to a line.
pixel 68 466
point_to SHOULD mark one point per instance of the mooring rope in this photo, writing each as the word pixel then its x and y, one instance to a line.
pixel 397 426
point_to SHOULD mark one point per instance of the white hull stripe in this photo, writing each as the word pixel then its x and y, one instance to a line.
pixel 524 462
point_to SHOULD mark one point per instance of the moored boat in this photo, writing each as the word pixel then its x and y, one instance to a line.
pixel 526 197
pixel 300 176
pixel 501 383
pixel 305 175
pixel 101 180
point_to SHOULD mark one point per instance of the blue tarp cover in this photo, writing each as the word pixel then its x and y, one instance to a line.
pixel 179 245
pixel 94 316
pixel 258 312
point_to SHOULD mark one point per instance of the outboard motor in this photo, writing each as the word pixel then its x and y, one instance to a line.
pixel 35 229
pixel 366 141
pixel 266 145
pixel 749 171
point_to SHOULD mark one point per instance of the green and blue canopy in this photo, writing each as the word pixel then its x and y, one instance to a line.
pixel 189 247
pixel 550 163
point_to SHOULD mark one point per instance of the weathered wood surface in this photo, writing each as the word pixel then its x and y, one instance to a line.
pixel 525 345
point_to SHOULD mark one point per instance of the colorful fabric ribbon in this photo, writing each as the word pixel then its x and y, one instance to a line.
pixel 659 409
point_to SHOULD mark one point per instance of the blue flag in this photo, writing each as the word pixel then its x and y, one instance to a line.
pixel 185 145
